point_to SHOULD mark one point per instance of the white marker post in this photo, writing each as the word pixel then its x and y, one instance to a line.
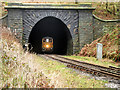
pixel 99 51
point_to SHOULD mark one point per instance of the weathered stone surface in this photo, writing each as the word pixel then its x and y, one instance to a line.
pixel 15 22
pixel 69 17
pixel 85 27
pixel 102 27
pixel 50 6
pixel 23 20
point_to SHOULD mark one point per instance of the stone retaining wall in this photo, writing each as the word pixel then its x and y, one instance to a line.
pixel 101 27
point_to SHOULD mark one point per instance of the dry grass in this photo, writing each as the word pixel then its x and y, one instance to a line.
pixel 3 11
pixel 16 65
pixel 102 13
pixel 110 43
pixel 19 69
pixel 63 77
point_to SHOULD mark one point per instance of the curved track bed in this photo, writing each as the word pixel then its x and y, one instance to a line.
pixel 109 72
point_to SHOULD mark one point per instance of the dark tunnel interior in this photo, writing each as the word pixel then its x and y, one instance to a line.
pixel 51 27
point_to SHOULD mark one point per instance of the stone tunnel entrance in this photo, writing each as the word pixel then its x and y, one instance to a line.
pixel 55 28
pixel 71 26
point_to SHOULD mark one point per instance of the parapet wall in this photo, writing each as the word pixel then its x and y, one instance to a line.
pixel 101 27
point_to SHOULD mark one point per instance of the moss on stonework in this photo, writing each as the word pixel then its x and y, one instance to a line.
pixel 52 6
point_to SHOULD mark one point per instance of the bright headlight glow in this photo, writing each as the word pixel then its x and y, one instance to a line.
pixel 47 46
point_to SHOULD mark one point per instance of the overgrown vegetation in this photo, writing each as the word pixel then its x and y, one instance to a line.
pixel 107 10
pixel 67 78
pixel 93 60
pixel 110 43
pixel 16 65
pixel 19 69
pixel 3 11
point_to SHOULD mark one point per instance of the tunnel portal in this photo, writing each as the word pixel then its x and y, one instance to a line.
pixel 51 27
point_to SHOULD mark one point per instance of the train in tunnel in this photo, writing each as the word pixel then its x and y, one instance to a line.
pixel 47 44
pixel 50 36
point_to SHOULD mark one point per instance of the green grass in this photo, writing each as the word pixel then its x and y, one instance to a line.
pixel 92 60
pixel 64 77
pixel 30 68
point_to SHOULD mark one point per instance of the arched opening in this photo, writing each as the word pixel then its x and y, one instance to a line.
pixel 55 28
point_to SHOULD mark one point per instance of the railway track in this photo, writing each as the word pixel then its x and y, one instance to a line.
pixel 109 72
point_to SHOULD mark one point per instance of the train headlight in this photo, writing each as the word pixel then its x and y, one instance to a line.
pixel 47 46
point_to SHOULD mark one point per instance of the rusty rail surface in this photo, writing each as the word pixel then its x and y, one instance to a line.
pixel 109 72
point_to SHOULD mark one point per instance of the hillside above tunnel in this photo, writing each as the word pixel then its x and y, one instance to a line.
pixel 110 43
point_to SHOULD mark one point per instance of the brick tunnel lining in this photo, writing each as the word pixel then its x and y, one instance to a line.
pixel 55 28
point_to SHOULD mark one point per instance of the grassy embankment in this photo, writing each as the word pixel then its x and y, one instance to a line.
pixel 110 13
pixel 3 11
pixel 110 43
pixel 16 66
pixel 110 39
pixel 93 60
pixel 111 52
pixel 22 69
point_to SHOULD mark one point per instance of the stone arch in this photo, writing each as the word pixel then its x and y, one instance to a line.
pixel 69 17
pixel 51 27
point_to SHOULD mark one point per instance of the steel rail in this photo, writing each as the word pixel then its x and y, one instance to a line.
pixel 76 64
pixel 108 69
